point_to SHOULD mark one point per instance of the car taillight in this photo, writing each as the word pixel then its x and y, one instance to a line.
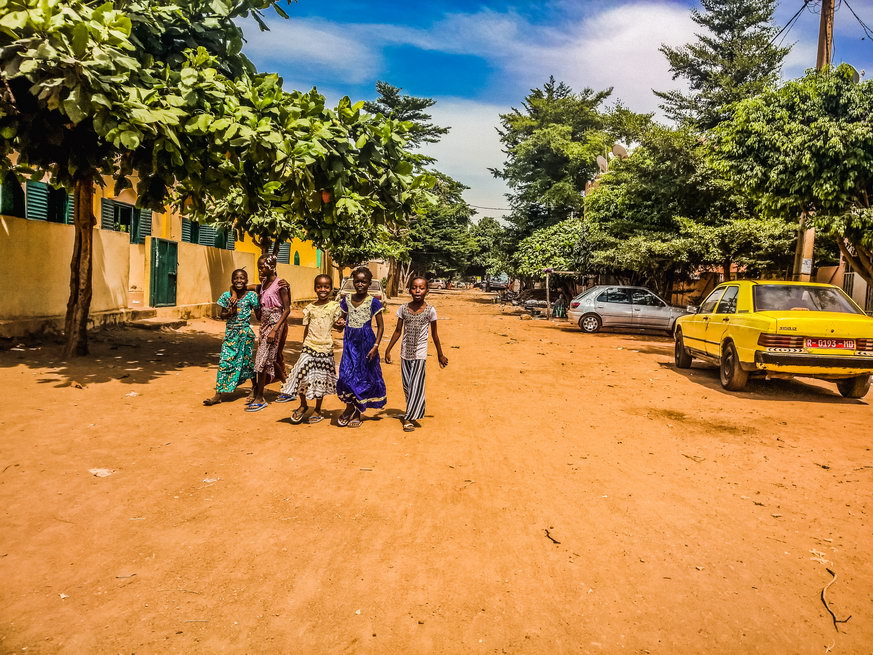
pixel 574 305
pixel 780 341
pixel 864 344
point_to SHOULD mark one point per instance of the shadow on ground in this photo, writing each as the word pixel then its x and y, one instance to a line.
pixel 129 355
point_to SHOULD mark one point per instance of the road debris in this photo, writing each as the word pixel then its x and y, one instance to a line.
pixel 824 601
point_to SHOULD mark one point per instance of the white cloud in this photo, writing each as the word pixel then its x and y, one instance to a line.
pixel 316 43
pixel 470 149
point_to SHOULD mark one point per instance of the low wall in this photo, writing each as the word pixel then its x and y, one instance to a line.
pixel 301 279
pixel 35 263
pixel 204 272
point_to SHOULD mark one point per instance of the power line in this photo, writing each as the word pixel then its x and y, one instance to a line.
pixel 791 21
pixel 863 25
pixel 497 209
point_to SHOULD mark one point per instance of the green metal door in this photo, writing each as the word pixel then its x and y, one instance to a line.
pixel 165 263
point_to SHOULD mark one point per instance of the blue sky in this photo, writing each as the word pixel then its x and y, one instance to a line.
pixel 479 59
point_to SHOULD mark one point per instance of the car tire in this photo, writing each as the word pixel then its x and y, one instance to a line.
pixel 590 323
pixel 856 387
pixel 680 353
pixel 733 377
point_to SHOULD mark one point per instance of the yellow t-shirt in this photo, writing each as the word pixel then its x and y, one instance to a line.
pixel 320 319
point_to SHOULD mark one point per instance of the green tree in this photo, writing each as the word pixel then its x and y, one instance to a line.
pixel 85 98
pixel 807 147
pixel 392 103
pixel 439 236
pixel 733 58
pixel 492 254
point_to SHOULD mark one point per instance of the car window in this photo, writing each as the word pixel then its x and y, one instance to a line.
pixel 795 297
pixel 711 301
pixel 728 302
pixel 621 296
pixel 647 298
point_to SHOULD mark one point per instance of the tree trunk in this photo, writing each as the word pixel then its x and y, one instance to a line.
pixel 81 266
pixel 726 269
pixel 859 258
pixel 392 284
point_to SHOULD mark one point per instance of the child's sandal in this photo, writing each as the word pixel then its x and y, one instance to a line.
pixel 408 426
pixel 298 414
pixel 315 418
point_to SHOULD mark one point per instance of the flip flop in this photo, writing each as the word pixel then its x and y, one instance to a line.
pixel 209 402
pixel 256 407
pixel 298 415
pixel 408 426
pixel 284 398
pixel 355 422
pixel 315 418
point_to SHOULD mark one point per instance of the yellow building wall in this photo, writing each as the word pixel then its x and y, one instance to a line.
pixel 34 258
pixel 204 272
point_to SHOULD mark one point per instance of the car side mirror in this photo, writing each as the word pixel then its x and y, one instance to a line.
pixel 692 309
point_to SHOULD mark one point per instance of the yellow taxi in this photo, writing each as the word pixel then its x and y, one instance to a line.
pixel 779 329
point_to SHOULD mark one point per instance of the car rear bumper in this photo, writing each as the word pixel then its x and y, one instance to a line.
pixel 809 363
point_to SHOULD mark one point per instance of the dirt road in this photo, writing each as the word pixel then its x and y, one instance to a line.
pixel 680 518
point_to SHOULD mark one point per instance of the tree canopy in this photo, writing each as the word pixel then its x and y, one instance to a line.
pixel 808 147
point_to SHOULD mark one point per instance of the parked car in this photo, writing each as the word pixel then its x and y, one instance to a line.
pixel 436 283
pixel 780 330
pixel 347 289
pixel 496 284
pixel 622 307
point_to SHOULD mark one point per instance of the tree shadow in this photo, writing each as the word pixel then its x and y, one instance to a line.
pixel 793 390
pixel 120 353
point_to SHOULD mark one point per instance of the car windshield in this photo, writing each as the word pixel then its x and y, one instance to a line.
pixel 793 297
pixel 587 292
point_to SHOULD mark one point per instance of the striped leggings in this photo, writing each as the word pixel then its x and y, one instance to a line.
pixel 413 387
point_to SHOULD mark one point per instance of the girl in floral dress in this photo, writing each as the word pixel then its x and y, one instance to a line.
pixel 360 383
pixel 314 374
pixel 237 361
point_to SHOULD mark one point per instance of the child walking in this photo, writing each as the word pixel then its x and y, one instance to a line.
pixel 237 362
pixel 414 320
pixel 314 375
pixel 275 299
pixel 360 384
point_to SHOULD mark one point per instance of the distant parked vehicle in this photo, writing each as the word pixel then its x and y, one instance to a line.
pixel 622 307
pixel 436 283
pixel 496 284
pixel 347 289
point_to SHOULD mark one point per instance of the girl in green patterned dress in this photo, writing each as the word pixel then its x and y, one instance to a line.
pixel 237 352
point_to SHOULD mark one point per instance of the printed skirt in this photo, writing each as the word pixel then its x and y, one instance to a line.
pixel 413 371
pixel 314 375
pixel 237 362
pixel 268 358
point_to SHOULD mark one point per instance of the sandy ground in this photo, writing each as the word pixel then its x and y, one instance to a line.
pixel 689 520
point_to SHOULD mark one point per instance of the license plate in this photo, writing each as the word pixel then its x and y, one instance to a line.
pixel 836 344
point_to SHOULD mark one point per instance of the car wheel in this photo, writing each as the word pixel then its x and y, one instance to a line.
pixel 680 354
pixel 590 323
pixel 856 387
pixel 733 377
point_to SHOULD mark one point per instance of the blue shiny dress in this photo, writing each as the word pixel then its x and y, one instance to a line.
pixel 360 380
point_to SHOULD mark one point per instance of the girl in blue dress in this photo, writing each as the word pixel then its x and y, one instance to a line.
pixel 360 385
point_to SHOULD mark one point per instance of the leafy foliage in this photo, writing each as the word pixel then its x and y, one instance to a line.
pixel 391 103
pixel 733 58
pixel 808 147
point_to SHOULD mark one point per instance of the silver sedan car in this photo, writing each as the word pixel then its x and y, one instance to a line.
pixel 622 307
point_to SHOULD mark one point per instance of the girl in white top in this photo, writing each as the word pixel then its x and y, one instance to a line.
pixel 314 374
pixel 414 321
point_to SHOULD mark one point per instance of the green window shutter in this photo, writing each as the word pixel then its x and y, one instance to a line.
pixel 11 197
pixel 318 255
pixel 207 236
pixel 296 258
pixel 36 201
pixel 186 230
pixel 70 213
pixel 230 244
pixel 143 225
pixel 107 214
pixel 284 254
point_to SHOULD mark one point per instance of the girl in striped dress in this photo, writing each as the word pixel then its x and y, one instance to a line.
pixel 414 321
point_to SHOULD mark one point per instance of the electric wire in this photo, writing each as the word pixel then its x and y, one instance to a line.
pixel 791 21
pixel 867 31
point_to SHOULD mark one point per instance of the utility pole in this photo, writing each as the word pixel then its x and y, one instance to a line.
pixel 803 255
